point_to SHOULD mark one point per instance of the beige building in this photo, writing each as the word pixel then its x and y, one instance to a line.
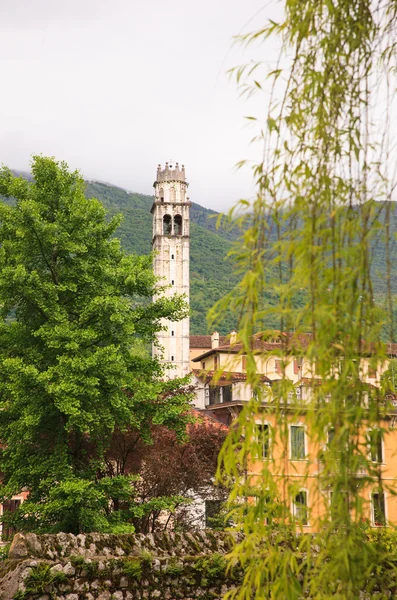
pixel 218 370
pixel 224 395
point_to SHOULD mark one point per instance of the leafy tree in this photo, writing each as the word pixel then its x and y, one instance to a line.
pixel 138 484
pixel 389 378
pixel 166 467
pixel 323 191
pixel 75 311
pixel 211 276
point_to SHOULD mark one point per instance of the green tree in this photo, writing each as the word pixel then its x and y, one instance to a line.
pixel 75 312
pixel 389 378
pixel 323 189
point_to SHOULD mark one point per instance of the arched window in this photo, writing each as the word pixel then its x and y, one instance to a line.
pixel 300 507
pixel 172 194
pixel 178 225
pixel 167 225
pixel 161 195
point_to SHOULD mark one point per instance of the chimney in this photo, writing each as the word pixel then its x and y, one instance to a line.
pixel 215 340
pixel 233 337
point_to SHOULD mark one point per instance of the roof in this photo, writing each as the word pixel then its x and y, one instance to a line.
pixel 228 376
pixel 209 419
pixel 204 341
pixel 284 341
pixel 260 343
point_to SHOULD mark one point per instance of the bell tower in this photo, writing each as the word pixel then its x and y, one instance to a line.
pixel 171 241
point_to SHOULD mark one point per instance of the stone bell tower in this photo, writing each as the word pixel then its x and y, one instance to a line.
pixel 171 241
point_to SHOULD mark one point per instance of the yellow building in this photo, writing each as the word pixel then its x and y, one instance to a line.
pixel 222 389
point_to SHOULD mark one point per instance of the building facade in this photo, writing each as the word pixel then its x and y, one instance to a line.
pixel 223 392
pixel 171 247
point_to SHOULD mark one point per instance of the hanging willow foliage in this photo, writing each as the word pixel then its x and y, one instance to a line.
pixel 323 191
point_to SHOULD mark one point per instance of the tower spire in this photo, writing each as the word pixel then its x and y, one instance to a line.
pixel 171 246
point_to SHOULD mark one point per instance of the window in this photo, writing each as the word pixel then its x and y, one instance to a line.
pixel 297 442
pixel 172 282
pixel 375 445
pixel 178 225
pixel 203 365
pixel 378 510
pixel 371 373
pixel 215 362
pixel 215 394
pixel 172 194
pixel 227 395
pixel 172 333
pixel 330 436
pixel 161 195
pixel 278 366
pixel 167 225
pixel 263 436
pixel 297 366
pixel 244 363
pixel 300 507
pixel 172 256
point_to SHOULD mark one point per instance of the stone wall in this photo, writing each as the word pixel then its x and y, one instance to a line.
pixel 174 566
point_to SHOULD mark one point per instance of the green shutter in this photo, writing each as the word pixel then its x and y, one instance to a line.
pixel 375 438
pixel 297 442
pixel 263 439
pixel 378 501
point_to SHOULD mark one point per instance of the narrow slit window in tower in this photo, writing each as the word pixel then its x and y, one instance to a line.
pixel 178 225
pixel 161 195
pixel 167 225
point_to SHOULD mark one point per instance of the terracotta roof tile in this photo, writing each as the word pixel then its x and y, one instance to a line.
pixel 288 341
pixel 260 343
pixel 209 419
pixel 226 376
pixel 204 341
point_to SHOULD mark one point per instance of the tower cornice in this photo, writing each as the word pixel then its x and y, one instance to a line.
pixel 160 203
pixel 158 181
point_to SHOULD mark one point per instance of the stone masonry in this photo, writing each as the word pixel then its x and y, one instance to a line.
pixel 174 566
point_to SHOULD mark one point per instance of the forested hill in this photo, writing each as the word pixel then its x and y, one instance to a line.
pixel 211 274
pixel 210 271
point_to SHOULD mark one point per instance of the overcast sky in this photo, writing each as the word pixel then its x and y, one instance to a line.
pixel 115 87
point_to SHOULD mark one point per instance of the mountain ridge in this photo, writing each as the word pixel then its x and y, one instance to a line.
pixel 211 272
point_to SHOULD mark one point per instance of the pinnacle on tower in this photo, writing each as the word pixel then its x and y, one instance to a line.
pixel 170 173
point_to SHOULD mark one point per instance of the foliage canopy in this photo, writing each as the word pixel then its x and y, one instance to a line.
pixel 76 315
pixel 323 197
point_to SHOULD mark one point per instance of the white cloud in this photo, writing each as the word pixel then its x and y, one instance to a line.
pixel 116 86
